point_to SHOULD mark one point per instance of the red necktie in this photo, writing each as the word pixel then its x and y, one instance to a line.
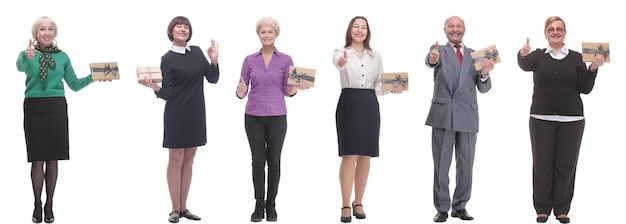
pixel 458 53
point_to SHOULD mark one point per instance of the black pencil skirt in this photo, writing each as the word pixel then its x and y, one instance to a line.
pixel 46 129
pixel 358 122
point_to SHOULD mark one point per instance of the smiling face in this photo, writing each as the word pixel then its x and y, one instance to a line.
pixel 454 29
pixel 180 33
pixel 46 32
pixel 267 35
pixel 359 31
pixel 555 32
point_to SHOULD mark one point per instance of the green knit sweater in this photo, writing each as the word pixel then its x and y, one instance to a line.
pixel 53 85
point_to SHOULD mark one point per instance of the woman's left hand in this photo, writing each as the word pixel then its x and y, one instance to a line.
pixel 303 85
pixel 396 89
pixel 213 52
pixel 597 62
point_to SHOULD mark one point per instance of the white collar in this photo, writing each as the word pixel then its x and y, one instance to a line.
pixel 179 49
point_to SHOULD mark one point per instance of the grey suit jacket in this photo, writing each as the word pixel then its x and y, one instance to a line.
pixel 454 105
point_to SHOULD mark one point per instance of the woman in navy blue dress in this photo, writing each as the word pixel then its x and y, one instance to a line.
pixel 184 68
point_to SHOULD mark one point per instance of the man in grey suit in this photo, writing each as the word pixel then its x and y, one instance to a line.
pixel 453 117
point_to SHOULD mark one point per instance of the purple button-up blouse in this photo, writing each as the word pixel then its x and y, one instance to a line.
pixel 268 86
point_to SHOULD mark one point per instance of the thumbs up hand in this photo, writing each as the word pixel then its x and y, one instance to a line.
pixel 343 59
pixel 30 50
pixel 242 88
pixel 433 56
pixel 525 49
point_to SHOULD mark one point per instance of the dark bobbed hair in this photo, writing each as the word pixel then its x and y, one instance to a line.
pixel 366 42
pixel 178 20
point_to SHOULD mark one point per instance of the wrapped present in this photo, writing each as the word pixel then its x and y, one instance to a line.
pixel 298 74
pixel 490 52
pixel 154 72
pixel 104 71
pixel 591 49
pixel 391 80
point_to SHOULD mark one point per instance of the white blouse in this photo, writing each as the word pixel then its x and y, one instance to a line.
pixel 360 73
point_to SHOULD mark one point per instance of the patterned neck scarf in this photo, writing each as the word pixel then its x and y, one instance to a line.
pixel 46 61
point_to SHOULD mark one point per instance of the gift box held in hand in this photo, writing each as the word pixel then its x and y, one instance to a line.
pixel 490 52
pixel 590 50
pixel 154 72
pixel 298 74
pixel 104 71
pixel 391 80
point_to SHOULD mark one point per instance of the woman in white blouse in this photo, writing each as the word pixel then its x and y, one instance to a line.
pixel 357 116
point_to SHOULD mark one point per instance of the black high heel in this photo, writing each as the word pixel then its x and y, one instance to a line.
pixel 348 218
pixel 355 214
pixel 48 217
pixel 37 217
pixel 173 219
pixel 185 213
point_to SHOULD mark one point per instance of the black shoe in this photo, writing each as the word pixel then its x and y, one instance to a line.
pixel 259 212
pixel 542 219
pixel 37 215
pixel 345 218
pixel 185 213
pixel 563 219
pixel 461 214
pixel 49 215
pixel 355 214
pixel 174 219
pixel 441 217
pixel 270 210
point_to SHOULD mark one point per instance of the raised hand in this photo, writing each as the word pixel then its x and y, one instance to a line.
pixel 343 59
pixel 242 88
pixel 433 56
pixel 30 50
pixel 525 49
pixel 213 52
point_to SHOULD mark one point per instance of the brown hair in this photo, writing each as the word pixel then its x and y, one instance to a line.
pixel 178 20
pixel 366 42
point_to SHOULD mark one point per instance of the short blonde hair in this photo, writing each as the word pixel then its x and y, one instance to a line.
pixel 39 21
pixel 268 21
pixel 552 19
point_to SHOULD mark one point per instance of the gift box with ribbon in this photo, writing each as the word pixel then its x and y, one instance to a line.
pixel 104 71
pixel 154 72
pixel 391 80
pixel 490 52
pixel 299 74
pixel 591 49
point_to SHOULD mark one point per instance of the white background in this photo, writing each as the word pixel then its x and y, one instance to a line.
pixel 117 167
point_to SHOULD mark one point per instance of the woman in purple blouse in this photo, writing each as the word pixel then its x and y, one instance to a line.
pixel 267 71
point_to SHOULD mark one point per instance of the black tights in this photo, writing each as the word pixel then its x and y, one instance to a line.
pixel 37 176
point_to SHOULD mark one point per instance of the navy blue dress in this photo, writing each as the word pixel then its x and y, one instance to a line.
pixel 184 118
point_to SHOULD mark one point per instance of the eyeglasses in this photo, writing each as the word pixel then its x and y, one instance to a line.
pixel 557 29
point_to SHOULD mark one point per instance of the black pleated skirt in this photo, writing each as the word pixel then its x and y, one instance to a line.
pixel 46 129
pixel 358 122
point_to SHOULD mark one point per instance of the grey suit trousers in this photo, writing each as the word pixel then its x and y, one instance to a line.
pixel 444 143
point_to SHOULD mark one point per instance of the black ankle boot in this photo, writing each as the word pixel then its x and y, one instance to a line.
pixel 270 209
pixel 259 212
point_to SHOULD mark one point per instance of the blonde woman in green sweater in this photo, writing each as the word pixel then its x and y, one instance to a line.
pixel 45 110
